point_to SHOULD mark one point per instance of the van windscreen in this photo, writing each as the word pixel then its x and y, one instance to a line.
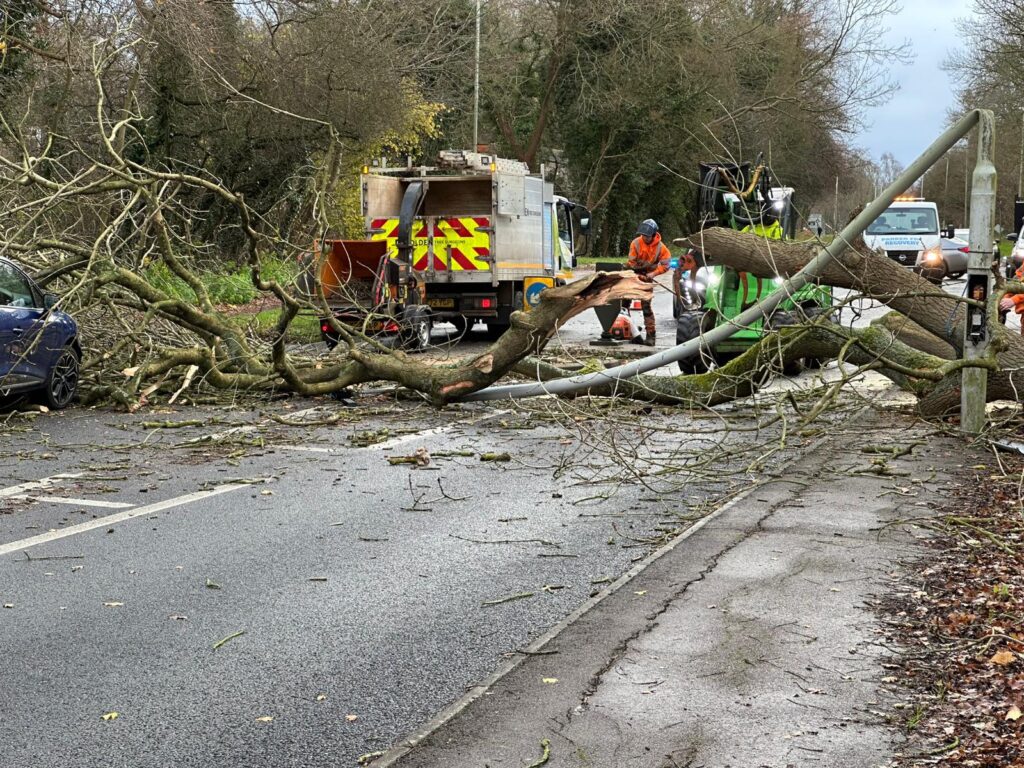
pixel 905 221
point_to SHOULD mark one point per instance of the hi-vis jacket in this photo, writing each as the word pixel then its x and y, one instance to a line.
pixel 649 259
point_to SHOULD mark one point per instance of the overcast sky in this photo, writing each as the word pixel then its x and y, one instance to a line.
pixel 917 112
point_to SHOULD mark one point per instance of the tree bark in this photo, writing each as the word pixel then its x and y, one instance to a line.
pixel 940 314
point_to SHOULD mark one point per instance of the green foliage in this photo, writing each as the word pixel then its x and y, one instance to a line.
pixel 304 329
pixel 233 288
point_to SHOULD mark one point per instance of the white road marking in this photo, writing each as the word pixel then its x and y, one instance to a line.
pixel 77 502
pixel 396 441
pixel 46 482
pixel 118 517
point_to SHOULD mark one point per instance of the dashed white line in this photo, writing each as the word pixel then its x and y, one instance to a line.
pixel 396 441
pixel 76 502
pixel 118 517
pixel 46 482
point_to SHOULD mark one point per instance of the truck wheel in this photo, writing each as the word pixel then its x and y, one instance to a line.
pixel 815 363
pixel 689 325
pixel 781 320
pixel 416 326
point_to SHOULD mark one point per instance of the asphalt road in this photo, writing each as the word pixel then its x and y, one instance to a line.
pixel 370 595
pixel 243 591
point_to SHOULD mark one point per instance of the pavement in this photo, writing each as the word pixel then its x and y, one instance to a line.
pixel 749 641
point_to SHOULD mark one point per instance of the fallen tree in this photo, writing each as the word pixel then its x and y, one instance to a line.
pixel 927 318
pixel 96 221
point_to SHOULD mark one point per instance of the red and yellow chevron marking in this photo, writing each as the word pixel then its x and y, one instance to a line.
pixel 471 248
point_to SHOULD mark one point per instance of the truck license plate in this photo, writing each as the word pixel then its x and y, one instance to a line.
pixel 441 303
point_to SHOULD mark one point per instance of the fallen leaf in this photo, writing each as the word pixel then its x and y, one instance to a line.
pixel 351 718
pixel 265 719
pixel 267 493
pixel 549 680
pixel 110 716
pixel 1003 658
pixel 322 697
pixel 177 617
pixel 1014 713
pixel 113 604
pixel 211 584
pixel 641 592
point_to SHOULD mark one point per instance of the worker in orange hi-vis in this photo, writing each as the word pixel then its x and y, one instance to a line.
pixel 1014 301
pixel 648 257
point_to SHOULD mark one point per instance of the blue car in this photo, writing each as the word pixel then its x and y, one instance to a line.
pixel 39 349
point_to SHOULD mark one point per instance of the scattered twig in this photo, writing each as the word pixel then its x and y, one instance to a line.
pixel 227 639
pixel 172 424
pixel 509 599
pixel 545 745
pixel 544 542
pixel 30 559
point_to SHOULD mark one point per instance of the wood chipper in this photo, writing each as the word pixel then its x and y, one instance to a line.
pixel 371 292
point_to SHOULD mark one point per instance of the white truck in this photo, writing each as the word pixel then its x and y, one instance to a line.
pixel 483 234
pixel 908 233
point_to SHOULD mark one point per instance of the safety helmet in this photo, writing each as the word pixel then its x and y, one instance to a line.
pixel 648 227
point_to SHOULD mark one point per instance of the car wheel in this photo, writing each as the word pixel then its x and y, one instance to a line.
pixel 690 324
pixel 62 380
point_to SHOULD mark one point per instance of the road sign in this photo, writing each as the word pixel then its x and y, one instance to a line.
pixel 532 289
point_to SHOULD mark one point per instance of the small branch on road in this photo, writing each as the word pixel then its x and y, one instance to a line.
pixel 545 542
pixel 30 559
pixel 509 599
pixel 545 745
pixel 227 639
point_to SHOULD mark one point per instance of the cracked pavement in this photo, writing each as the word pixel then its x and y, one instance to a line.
pixel 750 642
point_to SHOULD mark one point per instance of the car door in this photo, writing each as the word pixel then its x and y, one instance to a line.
pixel 24 357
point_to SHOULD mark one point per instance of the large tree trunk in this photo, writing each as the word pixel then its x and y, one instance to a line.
pixel 929 307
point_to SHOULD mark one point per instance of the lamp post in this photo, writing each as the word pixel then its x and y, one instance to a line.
pixel 476 83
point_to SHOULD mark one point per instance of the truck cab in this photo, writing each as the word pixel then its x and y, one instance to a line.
pixel 907 232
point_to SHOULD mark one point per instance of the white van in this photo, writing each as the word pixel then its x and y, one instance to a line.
pixel 908 233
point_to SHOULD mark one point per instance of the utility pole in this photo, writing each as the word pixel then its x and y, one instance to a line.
pixel 1020 165
pixel 835 209
pixel 977 330
pixel 476 84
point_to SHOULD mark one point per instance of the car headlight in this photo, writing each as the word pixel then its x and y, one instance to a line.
pixel 931 256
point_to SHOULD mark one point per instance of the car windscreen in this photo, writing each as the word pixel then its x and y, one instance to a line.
pixel 905 221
